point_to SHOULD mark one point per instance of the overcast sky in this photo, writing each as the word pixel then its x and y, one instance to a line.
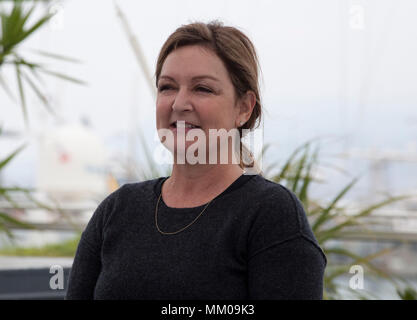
pixel 329 67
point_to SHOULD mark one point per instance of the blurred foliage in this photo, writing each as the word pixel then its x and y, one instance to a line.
pixel 407 293
pixel 62 249
pixel 331 221
pixel 14 31
pixel 5 219
pixel 7 222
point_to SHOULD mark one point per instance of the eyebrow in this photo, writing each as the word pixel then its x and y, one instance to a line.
pixel 205 76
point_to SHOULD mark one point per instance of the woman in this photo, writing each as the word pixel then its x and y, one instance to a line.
pixel 208 231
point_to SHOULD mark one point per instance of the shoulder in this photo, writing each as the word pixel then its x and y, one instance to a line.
pixel 142 189
pixel 280 216
pixel 276 199
pixel 265 188
pixel 278 210
pixel 127 195
pixel 272 191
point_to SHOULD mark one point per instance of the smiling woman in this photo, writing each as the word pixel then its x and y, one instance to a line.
pixel 208 231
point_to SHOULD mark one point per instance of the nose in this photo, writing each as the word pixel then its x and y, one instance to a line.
pixel 182 101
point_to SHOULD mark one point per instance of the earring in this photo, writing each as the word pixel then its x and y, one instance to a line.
pixel 241 123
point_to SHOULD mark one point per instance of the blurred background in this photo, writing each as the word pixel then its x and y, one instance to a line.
pixel 338 86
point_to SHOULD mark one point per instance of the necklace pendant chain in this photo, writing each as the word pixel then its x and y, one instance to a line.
pixel 190 224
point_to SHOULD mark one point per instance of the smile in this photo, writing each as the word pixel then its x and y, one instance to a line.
pixel 182 124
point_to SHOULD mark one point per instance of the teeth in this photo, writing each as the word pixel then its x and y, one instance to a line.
pixel 182 124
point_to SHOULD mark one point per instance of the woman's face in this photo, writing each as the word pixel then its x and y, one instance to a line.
pixel 194 86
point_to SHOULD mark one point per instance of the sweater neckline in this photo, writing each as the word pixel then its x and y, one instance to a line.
pixel 234 186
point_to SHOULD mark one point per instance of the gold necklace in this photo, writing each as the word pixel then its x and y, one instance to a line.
pixel 168 233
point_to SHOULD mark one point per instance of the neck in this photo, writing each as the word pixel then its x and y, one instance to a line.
pixel 194 183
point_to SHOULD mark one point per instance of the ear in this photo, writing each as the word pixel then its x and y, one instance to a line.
pixel 246 105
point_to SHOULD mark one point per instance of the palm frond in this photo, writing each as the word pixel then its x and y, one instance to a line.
pixel 330 233
pixel 63 76
pixel 14 32
pixel 55 56
pixel 22 94
pixel 6 160
pixel 327 211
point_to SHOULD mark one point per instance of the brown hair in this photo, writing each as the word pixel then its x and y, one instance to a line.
pixel 238 54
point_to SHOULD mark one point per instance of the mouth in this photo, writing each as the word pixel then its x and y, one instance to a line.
pixel 183 124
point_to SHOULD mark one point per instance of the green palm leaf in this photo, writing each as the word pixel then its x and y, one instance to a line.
pixel 56 56
pixel 331 232
pixel 6 160
pixel 14 32
pixel 327 211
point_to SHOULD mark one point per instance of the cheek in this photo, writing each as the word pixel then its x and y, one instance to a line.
pixel 162 112
pixel 162 101
pixel 160 104
pixel 222 117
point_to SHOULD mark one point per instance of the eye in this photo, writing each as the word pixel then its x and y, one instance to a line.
pixel 203 89
pixel 164 87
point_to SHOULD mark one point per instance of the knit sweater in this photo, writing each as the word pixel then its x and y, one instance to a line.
pixel 253 241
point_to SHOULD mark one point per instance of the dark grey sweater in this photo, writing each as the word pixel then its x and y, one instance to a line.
pixel 252 242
